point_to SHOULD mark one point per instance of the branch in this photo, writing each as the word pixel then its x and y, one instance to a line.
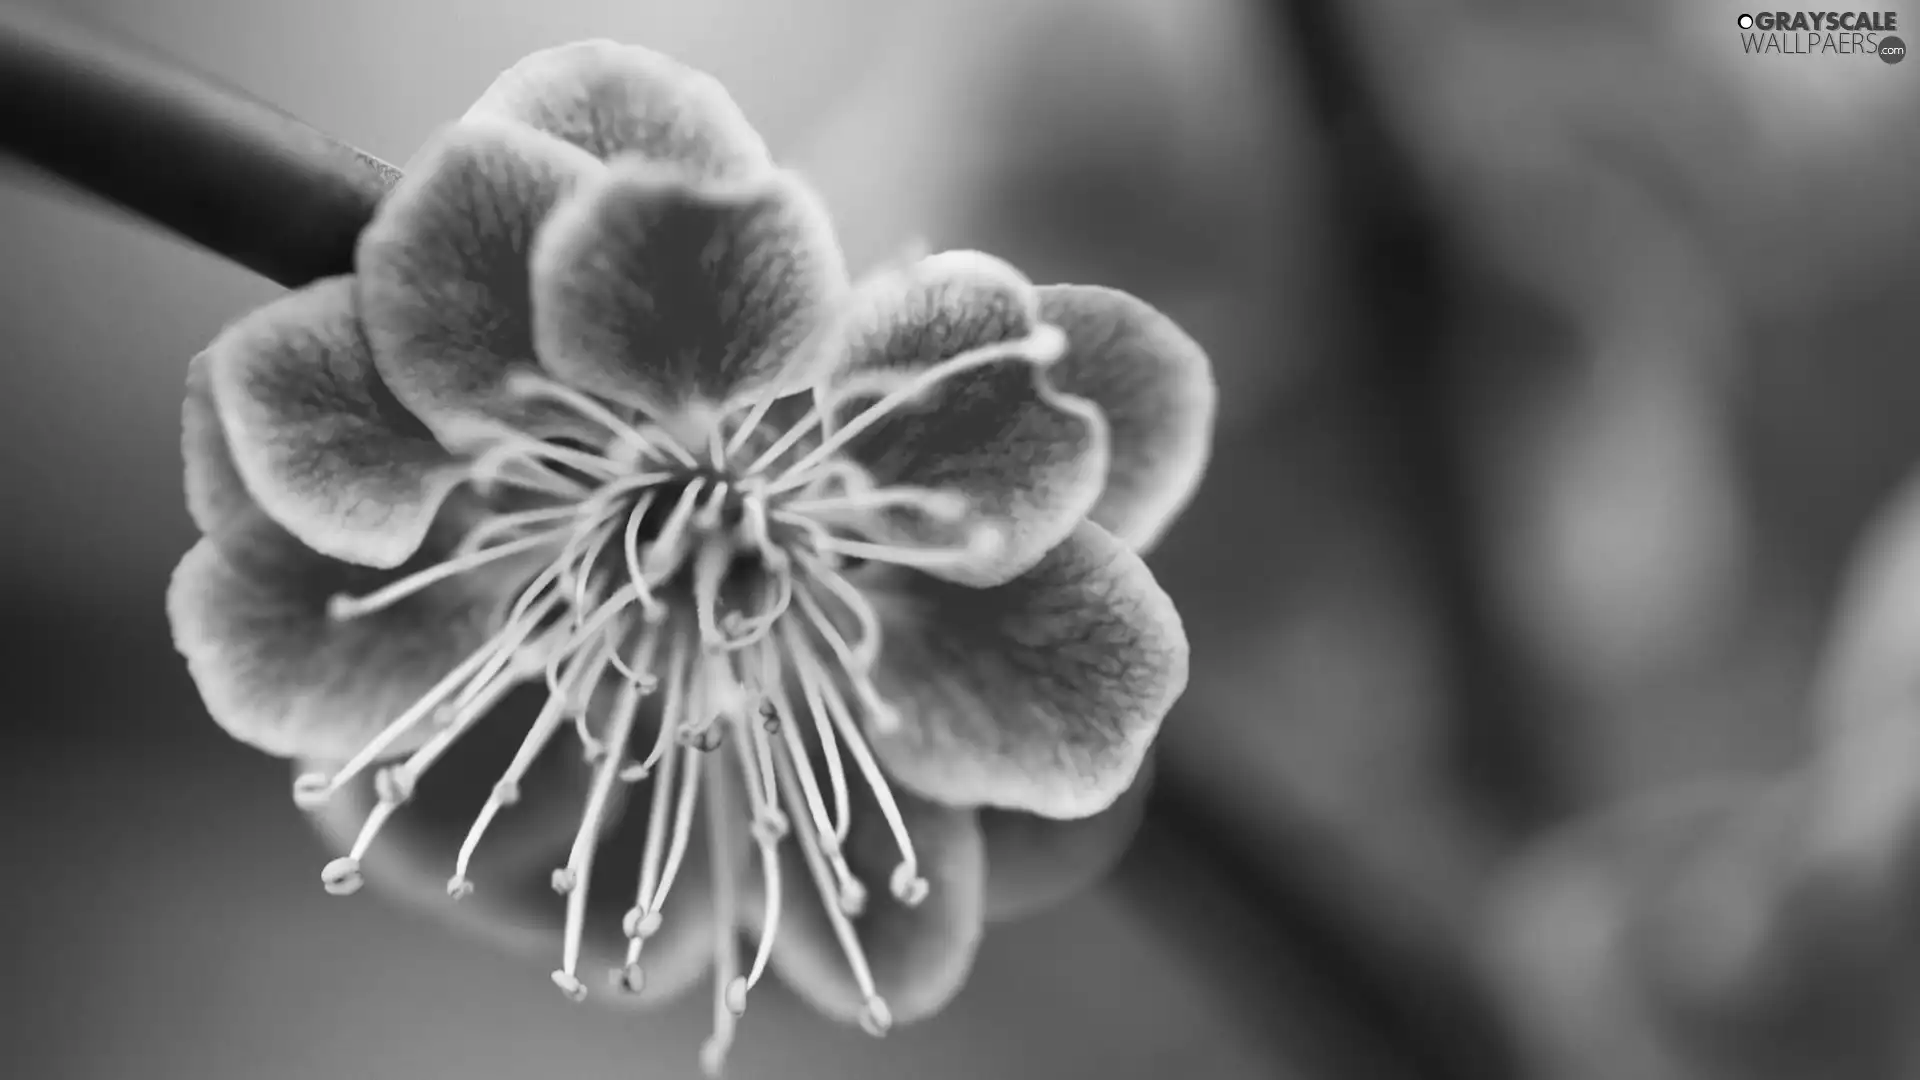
pixel 1401 262
pixel 220 169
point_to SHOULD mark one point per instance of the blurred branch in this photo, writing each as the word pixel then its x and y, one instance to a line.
pixel 1271 911
pixel 1401 263
pixel 220 169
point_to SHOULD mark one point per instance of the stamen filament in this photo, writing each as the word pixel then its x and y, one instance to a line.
pixel 1044 345
pixel 531 384
pixel 579 869
pixel 663 556
pixel 856 658
pixel 907 886
pixel 343 607
pixel 726 942
pixel 506 791
pixel 876 1018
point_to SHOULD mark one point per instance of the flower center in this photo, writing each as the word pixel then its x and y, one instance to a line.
pixel 719 565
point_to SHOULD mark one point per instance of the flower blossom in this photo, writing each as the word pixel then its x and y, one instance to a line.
pixel 833 585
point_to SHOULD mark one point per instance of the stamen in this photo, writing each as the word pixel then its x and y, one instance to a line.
pixel 477 536
pixel 751 422
pixel 579 867
pixel 933 502
pixel 786 441
pixel 313 790
pixel 506 791
pixel 983 541
pixel 669 709
pixel 836 768
pixel 769 828
pixel 489 467
pixel 663 556
pixel 726 941
pixel 710 568
pixel 1044 345
pixel 682 829
pixel 906 882
pixel 860 657
pixel 342 607
pixel 876 1018
pixel 651 608
pixel 832 835
pixel 531 384
pixel 395 784
pixel 644 918
pixel 540 452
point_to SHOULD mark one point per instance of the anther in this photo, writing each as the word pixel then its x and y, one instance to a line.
pixel 909 887
pixel 570 985
pixel 853 898
pixel 342 877
pixel 459 888
pixel 640 924
pixel 313 790
pixel 629 979
pixel 393 785
pixel 736 996
pixel 506 793
pixel 564 881
pixel 770 827
pixel 876 1019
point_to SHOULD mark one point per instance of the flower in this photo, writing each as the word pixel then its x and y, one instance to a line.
pixel 849 570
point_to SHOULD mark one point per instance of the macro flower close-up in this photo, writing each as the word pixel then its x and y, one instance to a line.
pixel 634 581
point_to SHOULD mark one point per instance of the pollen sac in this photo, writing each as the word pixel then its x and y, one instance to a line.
pixel 342 877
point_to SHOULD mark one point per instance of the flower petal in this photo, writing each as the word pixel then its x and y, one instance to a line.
pixel 1035 863
pixel 919 956
pixel 1029 459
pixel 611 99
pixel 651 285
pixel 322 445
pixel 445 295
pixel 215 493
pixel 249 608
pixel 1042 694
pixel 1156 388
pixel 512 906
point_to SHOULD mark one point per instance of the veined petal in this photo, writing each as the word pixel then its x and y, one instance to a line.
pixel 919 956
pixel 652 286
pixel 1028 458
pixel 216 494
pixel 445 294
pixel 611 99
pixel 321 444
pixel 1155 386
pixel 249 606
pixel 1042 694
pixel 1035 863
pixel 512 905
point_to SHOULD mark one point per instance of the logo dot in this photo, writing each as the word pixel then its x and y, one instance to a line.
pixel 1892 50
pixel 1746 22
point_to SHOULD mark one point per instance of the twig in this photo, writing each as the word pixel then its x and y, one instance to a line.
pixel 183 152
pixel 1400 265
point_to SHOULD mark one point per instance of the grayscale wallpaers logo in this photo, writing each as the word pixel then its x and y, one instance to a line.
pixel 1823 33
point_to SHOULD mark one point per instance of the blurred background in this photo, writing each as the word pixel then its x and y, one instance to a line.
pixel 1547 719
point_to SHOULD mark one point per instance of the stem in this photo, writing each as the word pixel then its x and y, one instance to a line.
pixel 1401 262
pixel 181 151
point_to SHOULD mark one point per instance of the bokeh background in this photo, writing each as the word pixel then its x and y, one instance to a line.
pixel 1545 721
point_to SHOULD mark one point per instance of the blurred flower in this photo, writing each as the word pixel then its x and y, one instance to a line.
pixel 848 569
pixel 1760 930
